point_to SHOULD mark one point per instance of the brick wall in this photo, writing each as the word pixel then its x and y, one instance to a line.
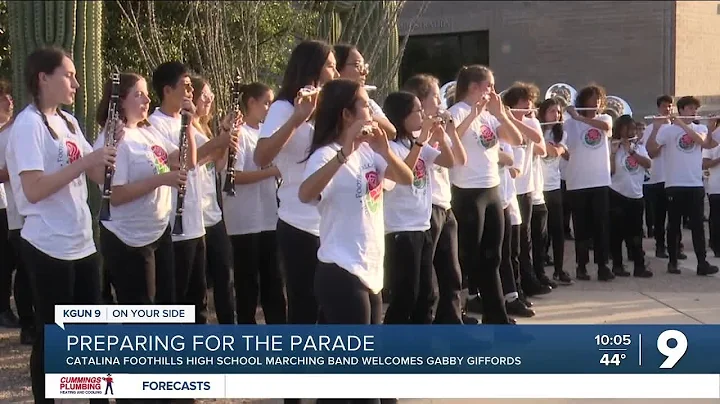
pixel 698 57
pixel 624 46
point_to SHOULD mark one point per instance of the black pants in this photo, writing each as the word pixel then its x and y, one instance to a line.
pixel 556 238
pixel 508 277
pixel 657 198
pixel 626 221
pixel 590 220
pixel 527 274
pixel 567 208
pixel 219 268
pixel 480 232
pixel 343 297
pixel 298 262
pixel 649 210
pixel 140 275
pixel 56 282
pixel 190 281
pixel 443 230
pixel 714 222
pixel 7 263
pixel 21 287
pixel 257 274
pixel 538 231
pixel 409 255
pixel 686 201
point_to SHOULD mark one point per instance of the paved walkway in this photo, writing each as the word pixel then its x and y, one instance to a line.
pixel 663 299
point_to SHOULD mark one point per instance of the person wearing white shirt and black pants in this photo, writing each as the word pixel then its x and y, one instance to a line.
pixel 684 141
pixel 48 160
pixel 628 162
pixel 588 179
pixel 711 163
pixel 409 256
pixel 475 192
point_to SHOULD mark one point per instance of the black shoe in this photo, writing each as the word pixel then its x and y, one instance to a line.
pixel 474 305
pixel 547 281
pixel 605 274
pixel 467 320
pixel 569 236
pixel 517 308
pixel 27 336
pixel 581 273
pixel 8 319
pixel 562 278
pixel 672 268
pixel 523 298
pixel 549 262
pixel 642 272
pixel 536 289
pixel 661 254
pixel 682 256
pixel 620 271
pixel 705 268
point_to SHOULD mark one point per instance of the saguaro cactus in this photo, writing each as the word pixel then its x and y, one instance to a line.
pixel 76 26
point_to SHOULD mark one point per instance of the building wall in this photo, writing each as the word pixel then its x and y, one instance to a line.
pixel 624 46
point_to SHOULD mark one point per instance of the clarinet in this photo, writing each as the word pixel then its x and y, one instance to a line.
pixel 229 187
pixel 110 142
pixel 178 227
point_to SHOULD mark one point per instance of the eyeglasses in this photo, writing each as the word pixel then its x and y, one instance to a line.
pixel 207 97
pixel 361 67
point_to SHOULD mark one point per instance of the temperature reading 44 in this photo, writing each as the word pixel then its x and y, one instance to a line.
pixel 612 359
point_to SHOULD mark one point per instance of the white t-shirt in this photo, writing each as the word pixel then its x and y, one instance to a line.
pixel 142 153
pixel 683 157
pixel 713 181
pixel 525 182
pixel 375 109
pixel 589 165
pixel 352 230
pixel 61 224
pixel 507 183
pixel 253 209
pixel 291 211
pixel 15 221
pixel 212 214
pixel 629 175
pixel 481 145
pixel 657 169
pixel 538 196
pixel 408 207
pixel 551 165
pixel 193 224
pixel 514 206
pixel 440 178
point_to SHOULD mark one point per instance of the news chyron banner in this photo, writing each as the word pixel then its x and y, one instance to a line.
pixel 156 352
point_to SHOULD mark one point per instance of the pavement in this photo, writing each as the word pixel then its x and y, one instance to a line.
pixel 664 299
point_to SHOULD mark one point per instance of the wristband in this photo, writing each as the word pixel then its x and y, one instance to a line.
pixel 418 143
pixel 341 157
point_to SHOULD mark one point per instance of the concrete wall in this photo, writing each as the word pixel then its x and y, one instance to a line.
pixel 624 46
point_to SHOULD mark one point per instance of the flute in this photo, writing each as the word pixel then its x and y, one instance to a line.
pixel 178 227
pixel 229 187
pixel 112 118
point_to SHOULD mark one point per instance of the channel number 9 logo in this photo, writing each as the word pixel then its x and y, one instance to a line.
pixel 675 353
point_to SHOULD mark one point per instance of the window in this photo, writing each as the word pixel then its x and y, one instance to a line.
pixel 443 55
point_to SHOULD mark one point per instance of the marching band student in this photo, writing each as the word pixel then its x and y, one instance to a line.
pixel 351 65
pixel 683 179
pixel 284 140
pixel 555 146
pixel 172 84
pixel 136 245
pixel 655 187
pixel 48 160
pixel 409 252
pixel 443 224
pixel 521 97
pixel 476 197
pixel 588 179
pixel 711 160
pixel 251 219
pixel 628 163
pixel 343 178
pixel 538 225
pixel 218 251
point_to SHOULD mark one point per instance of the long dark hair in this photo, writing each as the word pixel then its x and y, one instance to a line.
pixel 466 76
pixel 342 53
pixel 397 107
pixel 335 97
pixel 557 129
pixel 303 68
pixel 624 121
pixel 253 90
pixel 127 82
pixel 45 60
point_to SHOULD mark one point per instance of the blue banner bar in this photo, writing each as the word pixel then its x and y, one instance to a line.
pixel 227 349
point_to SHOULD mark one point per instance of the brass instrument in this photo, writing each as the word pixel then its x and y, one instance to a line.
pixel 229 187
pixel 112 118
pixel 617 107
pixel 564 93
pixel 447 91
pixel 178 227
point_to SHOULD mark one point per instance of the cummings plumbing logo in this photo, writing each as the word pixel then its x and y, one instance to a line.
pixel 82 385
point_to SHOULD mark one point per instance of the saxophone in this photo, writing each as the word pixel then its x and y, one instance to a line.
pixel 110 141
pixel 229 187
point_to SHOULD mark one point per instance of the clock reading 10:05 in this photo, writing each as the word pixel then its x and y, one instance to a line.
pixel 613 340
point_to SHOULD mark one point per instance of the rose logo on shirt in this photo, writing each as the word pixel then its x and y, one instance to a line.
pixel 592 138
pixel 374 191
pixel 631 164
pixel 73 152
pixel 160 161
pixel 686 143
pixel 420 174
pixel 487 137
